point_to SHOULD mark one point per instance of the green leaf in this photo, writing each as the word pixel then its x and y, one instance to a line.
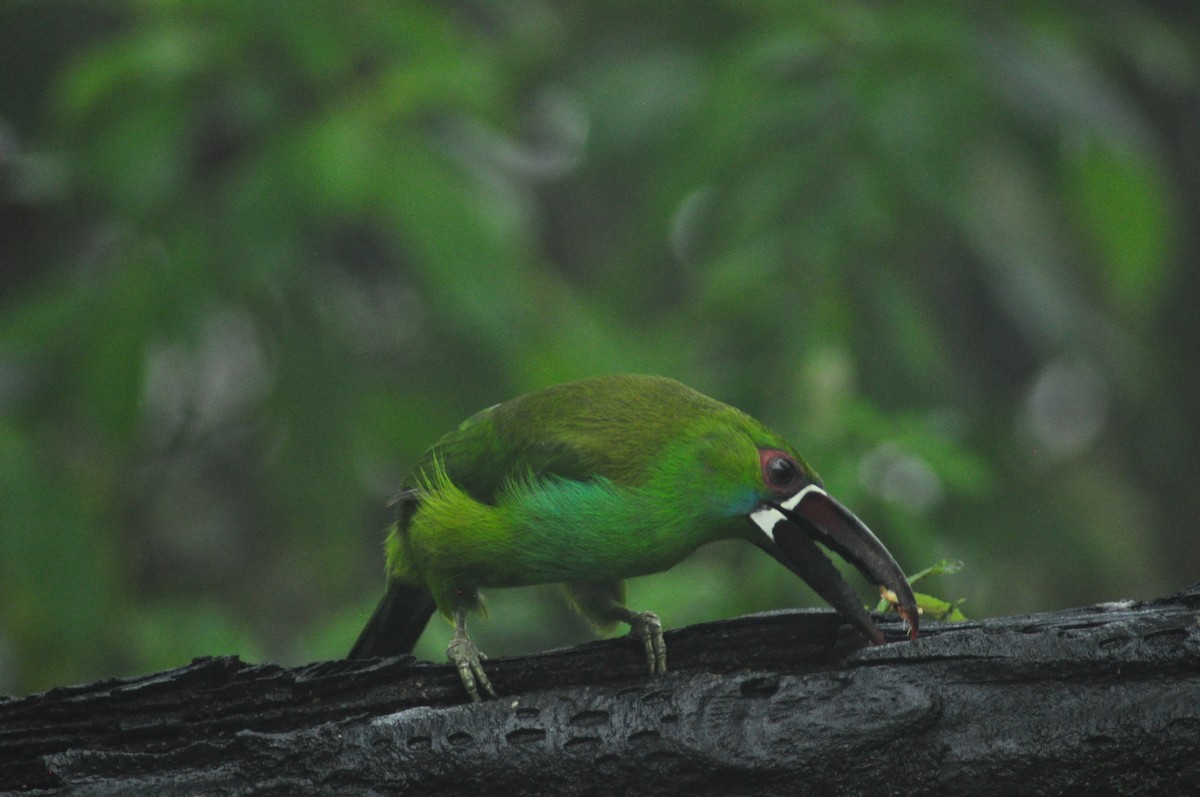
pixel 945 567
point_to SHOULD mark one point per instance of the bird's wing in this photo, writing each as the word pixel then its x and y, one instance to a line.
pixel 486 453
pixel 609 427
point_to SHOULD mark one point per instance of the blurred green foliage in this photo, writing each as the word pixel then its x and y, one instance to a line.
pixel 257 256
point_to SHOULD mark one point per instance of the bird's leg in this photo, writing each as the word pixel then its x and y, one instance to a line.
pixel 647 627
pixel 466 658
pixel 604 604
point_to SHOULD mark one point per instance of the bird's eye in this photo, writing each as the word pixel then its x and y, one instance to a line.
pixel 780 471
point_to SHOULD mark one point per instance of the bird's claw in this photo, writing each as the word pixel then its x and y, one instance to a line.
pixel 647 627
pixel 466 659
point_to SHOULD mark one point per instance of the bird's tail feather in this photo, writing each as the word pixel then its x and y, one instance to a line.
pixel 396 624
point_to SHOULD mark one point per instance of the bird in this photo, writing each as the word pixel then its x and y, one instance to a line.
pixel 591 482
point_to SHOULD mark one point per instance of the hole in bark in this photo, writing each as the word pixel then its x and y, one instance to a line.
pixel 419 742
pixel 759 687
pixel 459 738
pixel 580 743
pixel 641 737
pixel 1114 641
pixel 525 735
pixel 1184 724
pixel 1168 636
pixel 607 760
pixel 588 718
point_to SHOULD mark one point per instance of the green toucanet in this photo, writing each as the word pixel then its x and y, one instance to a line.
pixel 589 483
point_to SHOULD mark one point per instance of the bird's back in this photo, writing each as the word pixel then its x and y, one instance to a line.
pixel 610 426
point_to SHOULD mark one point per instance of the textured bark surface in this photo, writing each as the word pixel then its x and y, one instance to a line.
pixel 1103 699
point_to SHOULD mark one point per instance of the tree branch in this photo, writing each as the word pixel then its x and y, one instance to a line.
pixel 1103 699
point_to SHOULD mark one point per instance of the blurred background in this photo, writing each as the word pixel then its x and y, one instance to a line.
pixel 255 257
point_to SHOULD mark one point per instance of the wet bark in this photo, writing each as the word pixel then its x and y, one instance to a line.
pixel 1097 700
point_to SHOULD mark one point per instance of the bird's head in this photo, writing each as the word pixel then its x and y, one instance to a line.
pixel 789 512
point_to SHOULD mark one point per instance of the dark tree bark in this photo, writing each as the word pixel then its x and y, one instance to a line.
pixel 1098 700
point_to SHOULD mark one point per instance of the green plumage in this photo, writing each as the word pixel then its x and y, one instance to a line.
pixel 592 482
pixel 597 480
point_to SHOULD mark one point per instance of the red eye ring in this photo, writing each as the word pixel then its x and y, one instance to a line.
pixel 780 471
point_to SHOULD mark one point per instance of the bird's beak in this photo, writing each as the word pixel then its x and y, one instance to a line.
pixel 794 526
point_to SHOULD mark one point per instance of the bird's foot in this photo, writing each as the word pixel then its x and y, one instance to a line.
pixel 647 627
pixel 467 660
